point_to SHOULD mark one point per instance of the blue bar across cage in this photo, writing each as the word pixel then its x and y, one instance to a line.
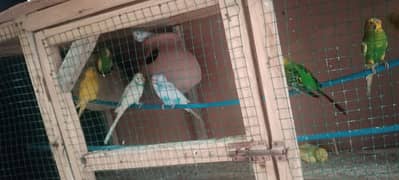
pixel 303 138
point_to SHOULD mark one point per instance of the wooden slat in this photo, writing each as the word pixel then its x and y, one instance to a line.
pixel 74 61
pixel 47 113
pixel 25 8
pixel 245 79
pixel 8 31
pixel 10 48
pixel 269 64
pixel 184 17
pixel 68 11
pixel 139 14
pixel 167 154
pixel 66 116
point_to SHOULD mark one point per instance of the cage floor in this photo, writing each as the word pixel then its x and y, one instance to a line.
pixel 212 171
pixel 357 165
pixel 380 164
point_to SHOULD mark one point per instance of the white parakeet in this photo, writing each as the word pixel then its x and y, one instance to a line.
pixel 140 36
pixel 131 95
pixel 169 94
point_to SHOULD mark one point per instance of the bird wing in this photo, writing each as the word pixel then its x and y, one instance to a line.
pixel 169 94
pixel 177 96
pixel 364 48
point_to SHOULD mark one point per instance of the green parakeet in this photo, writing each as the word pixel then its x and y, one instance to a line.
pixel 301 79
pixel 374 46
pixel 104 61
pixel 312 153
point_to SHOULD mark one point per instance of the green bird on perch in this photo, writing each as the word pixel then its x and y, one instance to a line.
pixel 312 153
pixel 104 62
pixel 301 79
pixel 374 46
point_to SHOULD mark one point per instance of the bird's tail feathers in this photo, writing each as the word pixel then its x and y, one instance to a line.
pixel 339 107
pixel 121 110
pixel 77 105
pixel 82 106
pixel 369 80
pixel 196 115
pixel 312 94
pixel 117 109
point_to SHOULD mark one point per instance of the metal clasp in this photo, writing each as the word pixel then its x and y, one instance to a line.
pixel 256 151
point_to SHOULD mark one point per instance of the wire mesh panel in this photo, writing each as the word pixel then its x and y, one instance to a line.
pixel 341 43
pixel 159 83
pixel 22 126
pixel 21 119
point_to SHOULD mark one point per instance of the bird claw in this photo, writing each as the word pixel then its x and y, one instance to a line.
pixel 373 70
pixel 386 65
pixel 163 106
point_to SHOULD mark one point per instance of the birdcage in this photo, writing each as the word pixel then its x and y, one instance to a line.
pixel 199 89
pixel 160 89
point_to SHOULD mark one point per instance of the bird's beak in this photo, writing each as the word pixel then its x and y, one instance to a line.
pixel 374 27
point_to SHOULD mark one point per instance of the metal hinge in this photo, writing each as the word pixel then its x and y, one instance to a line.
pixel 257 151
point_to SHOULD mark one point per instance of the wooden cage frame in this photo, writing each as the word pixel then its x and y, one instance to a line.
pixel 265 122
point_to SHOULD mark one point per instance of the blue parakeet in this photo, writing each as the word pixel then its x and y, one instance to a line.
pixel 169 94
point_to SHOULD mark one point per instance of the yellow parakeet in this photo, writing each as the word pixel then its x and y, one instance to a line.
pixel 88 89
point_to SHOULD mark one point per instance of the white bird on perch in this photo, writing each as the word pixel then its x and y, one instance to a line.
pixel 140 36
pixel 131 95
pixel 169 94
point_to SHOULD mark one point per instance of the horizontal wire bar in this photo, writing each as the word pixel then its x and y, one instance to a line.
pixel 177 106
pixel 350 133
pixel 303 138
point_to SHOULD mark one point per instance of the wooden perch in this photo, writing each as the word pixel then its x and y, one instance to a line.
pixel 74 61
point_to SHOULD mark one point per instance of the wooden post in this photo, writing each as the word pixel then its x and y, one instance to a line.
pixel 74 61
pixel 234 21
pixel 47 112
pixel 67 118
pixel 269 63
